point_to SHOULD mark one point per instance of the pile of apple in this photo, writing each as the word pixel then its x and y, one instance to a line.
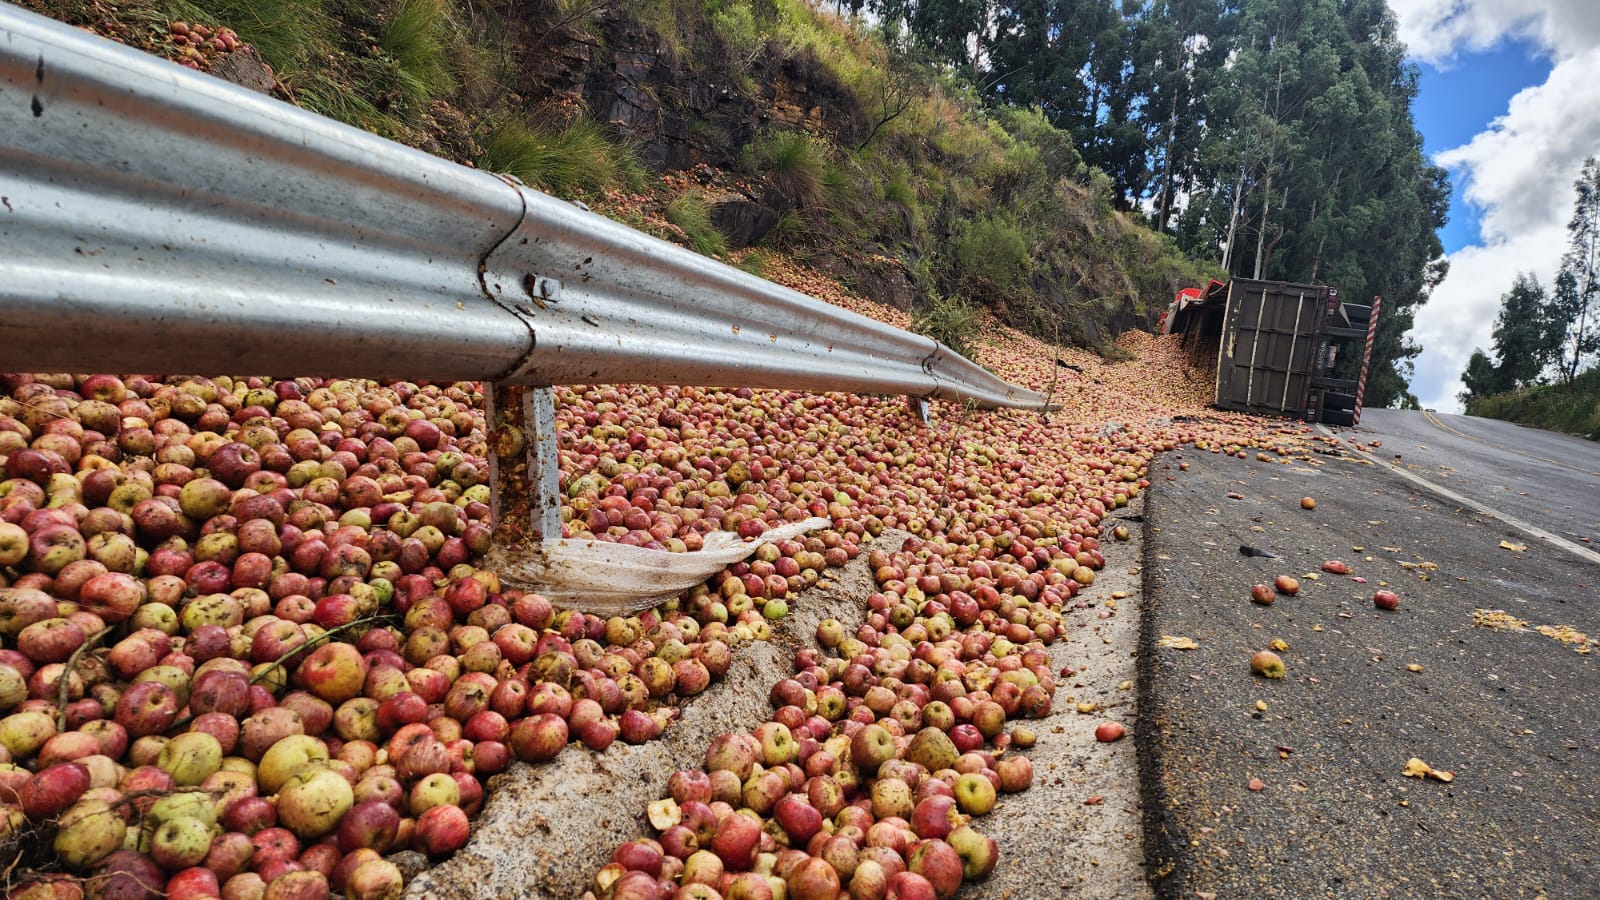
pixel 245 648
pixel 198 46
pixel 883 746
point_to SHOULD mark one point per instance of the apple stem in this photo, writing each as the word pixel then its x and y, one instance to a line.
pixel 318 641
pixel 66 673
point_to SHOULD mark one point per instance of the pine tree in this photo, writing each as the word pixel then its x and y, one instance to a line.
pixel 1481 379
pixel 1524 340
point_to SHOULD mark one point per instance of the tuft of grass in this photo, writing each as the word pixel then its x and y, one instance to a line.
pixel 791 230
pixel 734 24
pixel 417 38
pixel 756 261
pixel 897 188
pixel 692 214
pixel 326 96
pixel 949 320
pixel 795 166
pixel 578 160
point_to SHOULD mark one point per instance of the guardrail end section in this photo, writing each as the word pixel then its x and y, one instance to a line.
pixel 524 467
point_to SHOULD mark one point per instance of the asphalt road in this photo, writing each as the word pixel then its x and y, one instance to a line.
pixel 1514 714
pixel 1545 479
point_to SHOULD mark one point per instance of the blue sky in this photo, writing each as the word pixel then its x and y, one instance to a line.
pixel 1509 103
pixel 1458 99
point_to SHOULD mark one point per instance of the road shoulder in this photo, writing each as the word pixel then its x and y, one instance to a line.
pixel 1509 712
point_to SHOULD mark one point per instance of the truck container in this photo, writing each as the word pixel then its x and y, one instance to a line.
pixel 1280 349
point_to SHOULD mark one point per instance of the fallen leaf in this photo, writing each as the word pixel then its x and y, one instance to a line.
pixel 1413 667
pixel 1279 645
pixel 1177 643
pixel 1261 705
pixel 1514 548
pixel 1096 800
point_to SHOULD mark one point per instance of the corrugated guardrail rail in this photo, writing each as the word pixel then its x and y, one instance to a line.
pixel 157 219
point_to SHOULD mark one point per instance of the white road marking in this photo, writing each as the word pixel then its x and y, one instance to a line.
pixel 1530 529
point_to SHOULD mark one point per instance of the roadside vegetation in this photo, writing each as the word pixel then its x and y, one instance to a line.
pixel 1570 408
pixel 1546 342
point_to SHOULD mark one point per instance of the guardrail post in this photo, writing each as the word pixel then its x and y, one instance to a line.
pixel 919 407
pixel 524 465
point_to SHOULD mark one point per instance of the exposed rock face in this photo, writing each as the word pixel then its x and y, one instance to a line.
pixel 884 280
pixel 635 81
pixel 246 68
pixel 743 222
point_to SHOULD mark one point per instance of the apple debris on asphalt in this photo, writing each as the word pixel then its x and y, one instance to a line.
pixel 1416 768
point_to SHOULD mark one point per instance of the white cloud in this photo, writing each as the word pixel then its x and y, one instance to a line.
pixel 1436 30
pixel 1517 174
pixel 1460 315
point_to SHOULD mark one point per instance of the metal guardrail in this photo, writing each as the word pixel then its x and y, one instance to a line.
pixel 154 218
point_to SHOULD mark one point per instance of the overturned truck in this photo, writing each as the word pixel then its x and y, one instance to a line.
pixel 1282 349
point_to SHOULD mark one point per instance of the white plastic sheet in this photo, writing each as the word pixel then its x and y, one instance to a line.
pixel 615 579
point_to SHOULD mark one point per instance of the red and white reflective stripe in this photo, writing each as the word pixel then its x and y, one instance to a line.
pixel 1366 358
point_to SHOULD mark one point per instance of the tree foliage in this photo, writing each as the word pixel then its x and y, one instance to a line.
pixel 1527 340
pixel 1481 378
pixel 1574 306
pixel 1274 136
pixel 1526 337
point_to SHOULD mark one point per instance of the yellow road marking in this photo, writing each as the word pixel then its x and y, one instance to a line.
pixel 1554 462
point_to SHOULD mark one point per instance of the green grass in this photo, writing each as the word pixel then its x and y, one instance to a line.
pixel 756 261
pixel 692 214
pixel 794 164
pixel 579 160
pixel 792 231
pixel 418 38
pixel 1569 408
pixel 989 254
pixel 326 96
pixel 951 321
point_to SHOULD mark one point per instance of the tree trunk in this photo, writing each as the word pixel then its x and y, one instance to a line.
pixel 1233 223
pixel 1167 167
pixel 1261 233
